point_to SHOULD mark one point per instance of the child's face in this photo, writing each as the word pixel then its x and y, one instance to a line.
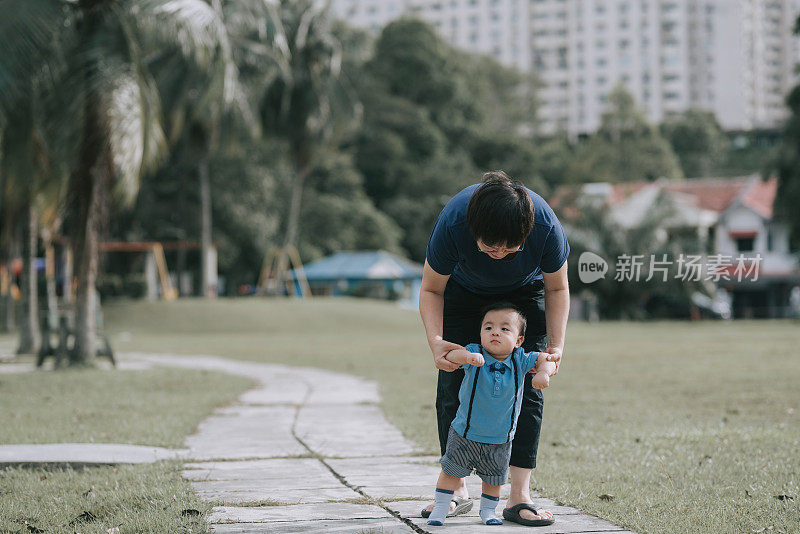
pixel 500 332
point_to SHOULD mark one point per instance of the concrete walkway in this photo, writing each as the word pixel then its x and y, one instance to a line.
pixel 310 451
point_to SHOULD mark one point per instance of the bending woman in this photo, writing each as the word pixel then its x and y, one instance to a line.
pixel 496 241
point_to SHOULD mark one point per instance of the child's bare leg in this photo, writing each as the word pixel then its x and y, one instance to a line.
pixel 445 487
pixel 489 500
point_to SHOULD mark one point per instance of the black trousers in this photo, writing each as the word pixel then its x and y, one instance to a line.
pixel 462 324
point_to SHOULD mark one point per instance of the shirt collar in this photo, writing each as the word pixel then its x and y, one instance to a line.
pixel 489 359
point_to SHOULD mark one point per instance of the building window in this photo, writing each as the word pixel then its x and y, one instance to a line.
pixel 744 244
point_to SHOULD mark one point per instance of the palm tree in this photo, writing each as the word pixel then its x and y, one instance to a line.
pixel 110 103
pixel 305 102
pixel 206 111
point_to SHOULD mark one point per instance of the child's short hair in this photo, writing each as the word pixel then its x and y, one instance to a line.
pixel 505 305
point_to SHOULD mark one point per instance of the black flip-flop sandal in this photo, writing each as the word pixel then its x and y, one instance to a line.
pixel 462 507
pixel 512 514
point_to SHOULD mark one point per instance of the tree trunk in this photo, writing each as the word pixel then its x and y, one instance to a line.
pixel 30 335
pixel 208 286
pixel 292 225
pixel 90 185
pixel 88 261
pixel 50 279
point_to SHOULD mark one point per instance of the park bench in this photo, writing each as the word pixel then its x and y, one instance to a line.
pixel 62 327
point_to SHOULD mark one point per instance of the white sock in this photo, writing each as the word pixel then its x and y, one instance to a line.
pixel 487 511
pixel 442 506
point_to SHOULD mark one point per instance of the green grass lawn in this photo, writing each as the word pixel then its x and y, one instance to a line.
pixel 691 427
pixel 153 407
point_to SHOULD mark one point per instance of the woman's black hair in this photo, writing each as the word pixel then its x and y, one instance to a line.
pixel 505 305
pixel 500 212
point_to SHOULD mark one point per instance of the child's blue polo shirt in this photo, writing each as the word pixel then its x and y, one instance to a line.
pixel 491 396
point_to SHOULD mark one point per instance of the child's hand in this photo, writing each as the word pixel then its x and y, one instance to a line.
pixel 541 380
pixel 475 358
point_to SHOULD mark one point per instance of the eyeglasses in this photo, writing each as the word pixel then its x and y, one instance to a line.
pixel 493 250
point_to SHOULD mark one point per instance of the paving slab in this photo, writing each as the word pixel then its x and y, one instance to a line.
pixel 350 526
pixel 16 367
pixel 277 469
pixel 85 454
pixel 350 430
pixel 259 493
pixel 246 432
pixel 309 512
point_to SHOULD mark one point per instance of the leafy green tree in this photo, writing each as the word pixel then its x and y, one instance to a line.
pixel 788 197
pixel 625 147
pixel 336 193
pixel 435 118
pixel 698 141
pixel 788 162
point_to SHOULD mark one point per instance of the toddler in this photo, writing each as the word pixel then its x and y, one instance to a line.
pixel 489 403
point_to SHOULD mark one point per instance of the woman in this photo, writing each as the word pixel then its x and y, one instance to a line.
pixel 496 241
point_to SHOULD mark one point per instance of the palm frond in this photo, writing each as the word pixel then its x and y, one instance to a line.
pixel 190 25
pixel 132 113
pixel 30 31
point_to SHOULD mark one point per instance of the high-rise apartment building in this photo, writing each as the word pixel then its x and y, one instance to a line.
pixel 733 57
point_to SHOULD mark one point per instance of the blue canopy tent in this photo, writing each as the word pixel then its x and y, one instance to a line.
pixel 372 273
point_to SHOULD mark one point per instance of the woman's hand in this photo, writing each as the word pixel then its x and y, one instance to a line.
pixel 553 355
pixel 440 348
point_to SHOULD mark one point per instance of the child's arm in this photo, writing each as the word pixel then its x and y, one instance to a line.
pixel 462 356
pixel 544 370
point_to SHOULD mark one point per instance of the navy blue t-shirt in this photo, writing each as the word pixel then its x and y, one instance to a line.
pixel 452 250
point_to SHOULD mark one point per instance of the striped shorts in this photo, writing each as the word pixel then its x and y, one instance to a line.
pixel 489 460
